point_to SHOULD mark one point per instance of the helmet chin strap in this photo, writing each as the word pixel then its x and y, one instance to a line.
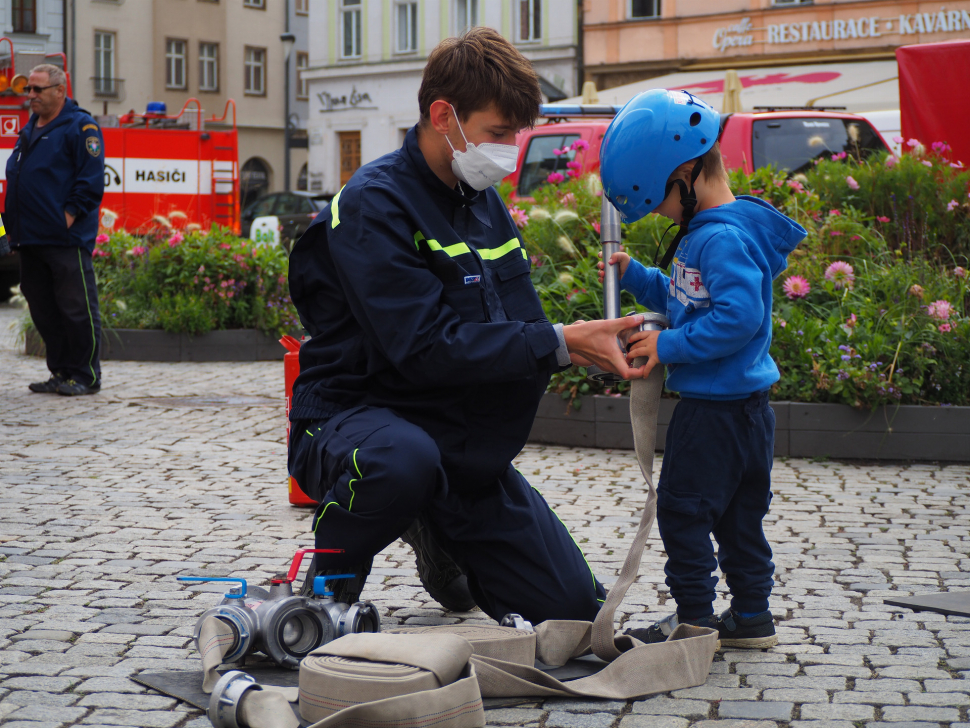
pixel 688 201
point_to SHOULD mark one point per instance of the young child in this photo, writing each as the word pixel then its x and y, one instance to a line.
pixel 661 155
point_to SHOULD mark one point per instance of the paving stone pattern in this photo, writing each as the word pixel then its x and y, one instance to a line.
pixel 105 501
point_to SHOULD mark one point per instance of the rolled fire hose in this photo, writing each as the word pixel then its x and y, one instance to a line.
pixel 439 674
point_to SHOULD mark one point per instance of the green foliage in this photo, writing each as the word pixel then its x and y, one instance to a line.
pixel 898 224
pixel 193 283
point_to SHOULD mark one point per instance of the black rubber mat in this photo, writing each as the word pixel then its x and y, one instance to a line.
pixel 954 603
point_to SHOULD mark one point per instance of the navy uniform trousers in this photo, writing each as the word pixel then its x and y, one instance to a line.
pixel 716 479
pixel 58 283
pixel 374 473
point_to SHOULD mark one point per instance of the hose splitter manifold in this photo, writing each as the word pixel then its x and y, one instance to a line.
pixel 284 626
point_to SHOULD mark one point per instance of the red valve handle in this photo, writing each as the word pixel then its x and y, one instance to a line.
pixel 298 559
pixel 291 343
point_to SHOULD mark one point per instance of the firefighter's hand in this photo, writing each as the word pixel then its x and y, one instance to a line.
pixel 595 342
pixel 576 358
pixel 621 259
pixel 69 218
pixel 644 343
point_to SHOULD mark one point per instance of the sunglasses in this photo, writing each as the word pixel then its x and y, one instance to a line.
pixel 38 89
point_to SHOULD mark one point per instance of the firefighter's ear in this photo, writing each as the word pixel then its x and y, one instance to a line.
pixel 440 115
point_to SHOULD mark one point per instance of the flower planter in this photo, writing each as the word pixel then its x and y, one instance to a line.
pixel 155 345
pixel 801 430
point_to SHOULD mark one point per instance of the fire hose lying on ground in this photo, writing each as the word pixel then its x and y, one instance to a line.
pixel 354 676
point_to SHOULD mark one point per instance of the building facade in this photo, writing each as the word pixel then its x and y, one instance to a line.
pixel 36 28
pixel 631 40
pixel 127 53
pixel 367 57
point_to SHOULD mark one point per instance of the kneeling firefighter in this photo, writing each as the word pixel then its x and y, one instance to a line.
pixel 429 353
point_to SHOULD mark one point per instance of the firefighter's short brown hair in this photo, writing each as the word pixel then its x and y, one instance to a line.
pixel 477 69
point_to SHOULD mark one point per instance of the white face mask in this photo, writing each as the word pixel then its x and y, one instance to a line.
pixel 483 165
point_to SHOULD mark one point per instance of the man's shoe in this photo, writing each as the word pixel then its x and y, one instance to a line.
pixel 344 590
pixel 48 387
pixel 660 631
pixel 754 633
pixel 439 573
pixel 73 388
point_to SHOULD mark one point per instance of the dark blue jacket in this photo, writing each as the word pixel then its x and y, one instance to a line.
pixel 418 299
pixel 62 171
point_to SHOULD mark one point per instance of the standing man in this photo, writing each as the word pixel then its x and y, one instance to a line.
pixel 429 355
pixel 55 180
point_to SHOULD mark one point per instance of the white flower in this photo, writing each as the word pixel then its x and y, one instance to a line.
pixel 593 184
pixel 538 214
pixel 567 245
pixel 565 278
pixel 565 216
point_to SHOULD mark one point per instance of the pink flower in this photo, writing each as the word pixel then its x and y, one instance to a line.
pixel 945 328
pixel 519 217
pixel 882 218
pixel 856 237
pixel 916 290
pixel 898 139
pixel 756 192
pixel 927 164
pixel 960 272
pixel 956 165
pixel 138 250
pixel 891 160
pixel 98 253
pixel 835 233
pixel 580 145
pixel 841 274
pixel 940 147
pixel 175 239
pixel 101 239
pixel 852 321
pixel 555 178
pixel 940 310
pixel 951 205
pixel 834 213
pixel 557 152
pixel 913 143
pixel 568 199
pixel 796 287
pixel 596 227
pixel 782 323
pixel 796 185
pixel 853 185
pixel 225 246
pixel 573 164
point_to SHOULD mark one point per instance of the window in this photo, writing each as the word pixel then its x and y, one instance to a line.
pixel 175 60
pixel 530 20
pixel 302 7
pixel 208 66
pixel 796 144
pixel 255 73
pixel 644 8
pixel 24 16
pixel 104 63
pixel 350 25
pixel 302 85
pixel 407 27
pixel 260 4
pixel 466 14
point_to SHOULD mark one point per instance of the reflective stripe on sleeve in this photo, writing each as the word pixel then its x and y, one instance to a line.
pixel 334 212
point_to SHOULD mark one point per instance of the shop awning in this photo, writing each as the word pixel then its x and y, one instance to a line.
pixel 860 87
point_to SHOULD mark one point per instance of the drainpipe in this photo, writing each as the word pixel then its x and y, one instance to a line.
pixel 73 31
pixel 580 61
pixel 286 105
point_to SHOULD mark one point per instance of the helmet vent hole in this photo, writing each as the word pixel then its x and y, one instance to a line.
pixel 676 137
pixel 695 119
pixel 703 141
pixel 636 188
pixel 647 201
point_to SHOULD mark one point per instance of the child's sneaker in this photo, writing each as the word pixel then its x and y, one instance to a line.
pixel 756 633
pixel 659 631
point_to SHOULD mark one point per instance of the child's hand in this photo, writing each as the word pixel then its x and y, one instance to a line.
pixel 621 259
pixel 644 343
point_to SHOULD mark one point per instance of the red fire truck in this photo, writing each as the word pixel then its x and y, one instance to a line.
pixel 155 164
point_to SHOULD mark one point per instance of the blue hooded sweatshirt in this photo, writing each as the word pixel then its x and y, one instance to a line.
pixel 718 299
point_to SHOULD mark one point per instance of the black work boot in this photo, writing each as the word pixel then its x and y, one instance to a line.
pixel 753 633
pixel 659 631
pixel 48 387
pixel 344 590
pixel 439 573
pixel 73 388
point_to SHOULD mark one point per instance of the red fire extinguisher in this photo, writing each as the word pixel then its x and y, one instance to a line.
pixel 291 370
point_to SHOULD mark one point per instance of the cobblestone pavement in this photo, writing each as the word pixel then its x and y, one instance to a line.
pixel 106 499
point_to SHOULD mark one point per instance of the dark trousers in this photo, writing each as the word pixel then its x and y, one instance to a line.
pixel 716 479
pixel 58 283
pixel 374 473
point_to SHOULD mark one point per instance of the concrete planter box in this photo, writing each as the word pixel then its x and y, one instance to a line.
pixel 908 432
pixel 155 345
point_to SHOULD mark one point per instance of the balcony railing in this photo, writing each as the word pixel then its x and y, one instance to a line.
pixel 108 88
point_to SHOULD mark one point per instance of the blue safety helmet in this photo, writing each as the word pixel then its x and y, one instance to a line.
pixel 656 132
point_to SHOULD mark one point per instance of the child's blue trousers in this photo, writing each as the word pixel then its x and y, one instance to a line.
pixel 716 479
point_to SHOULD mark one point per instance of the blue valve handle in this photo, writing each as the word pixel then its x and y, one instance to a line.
pixel 320 583
pixel 227 595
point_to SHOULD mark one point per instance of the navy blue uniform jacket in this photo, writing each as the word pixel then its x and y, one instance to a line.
pixel 61 171
pixel 418 299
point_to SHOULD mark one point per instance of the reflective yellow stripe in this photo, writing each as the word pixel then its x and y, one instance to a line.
pixel 333 210
pixel 451 251
pixel 496 253
pixel 3 230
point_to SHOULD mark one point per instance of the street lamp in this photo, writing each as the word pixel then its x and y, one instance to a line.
pixel 288 40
